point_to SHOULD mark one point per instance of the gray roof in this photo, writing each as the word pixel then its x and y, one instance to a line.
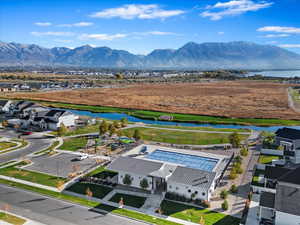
pixel 164 171
pixel 267 199
pixel 287 199
pixel 133 165
pixel 193 177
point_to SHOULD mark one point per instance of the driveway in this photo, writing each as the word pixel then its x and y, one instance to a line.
pixel 36 141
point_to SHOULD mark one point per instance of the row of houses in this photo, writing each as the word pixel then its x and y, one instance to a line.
pixel 280 200
pixel 26 114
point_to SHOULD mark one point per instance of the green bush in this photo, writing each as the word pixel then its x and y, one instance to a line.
pixel 224 194
pixel 225 205
pixel 234 188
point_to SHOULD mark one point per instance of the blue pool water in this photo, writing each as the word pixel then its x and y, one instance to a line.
pixel 191 161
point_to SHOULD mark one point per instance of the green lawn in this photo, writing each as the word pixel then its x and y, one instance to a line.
pixel 180 137
pixel 97 190
pixel 6 144
pixel 74 144
pixel 194 214
pixel 82 201
pixel 129 200
pixel 35 177
pixel 6 217
pixel 81 130
pixel 256 176
pixel 201 128
pixel 267 159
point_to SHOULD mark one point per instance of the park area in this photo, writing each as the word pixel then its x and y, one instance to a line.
pixel 180 137
pixel 231 99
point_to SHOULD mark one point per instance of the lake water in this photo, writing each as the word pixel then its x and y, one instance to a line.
pixel 277 73
pixel 118 116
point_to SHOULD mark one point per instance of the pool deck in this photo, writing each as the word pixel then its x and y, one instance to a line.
pixel 151 148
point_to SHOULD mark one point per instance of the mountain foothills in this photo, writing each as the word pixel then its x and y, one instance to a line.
pixel 231 55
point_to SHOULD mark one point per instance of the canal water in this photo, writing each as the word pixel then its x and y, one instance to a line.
pixel 118 116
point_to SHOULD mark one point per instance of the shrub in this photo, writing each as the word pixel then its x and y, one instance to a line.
pixel 238 159
pixel 235 140
pixel 127 179
pixel 244 151
pixel 233 175
pixel 144 183
pixel 234 188
pixel 225 205
pixel 224 194
pixel 239 170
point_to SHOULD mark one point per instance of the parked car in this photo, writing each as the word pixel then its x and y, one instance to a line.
pixel 26 132
pixel 82 157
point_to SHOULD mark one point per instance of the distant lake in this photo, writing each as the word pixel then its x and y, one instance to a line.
pixel 277 73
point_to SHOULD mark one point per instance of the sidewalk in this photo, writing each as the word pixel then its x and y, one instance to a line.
pixel 252 218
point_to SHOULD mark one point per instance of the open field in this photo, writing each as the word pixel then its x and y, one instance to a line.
pixel 180 137
pixel 73 144
pixel 238 99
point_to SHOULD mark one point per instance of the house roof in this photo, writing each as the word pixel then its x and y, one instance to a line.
pixel 164 171
pixel 193 177
pixel 291 177
pixel 267 199
pixel 289 133
pixel 275 172
pixel 134 165
pixel 287 199
pixel 54 112
pixel 3 102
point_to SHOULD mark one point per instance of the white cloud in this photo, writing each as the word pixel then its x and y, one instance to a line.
pixel 279 29
pixel 43 24
pixel 155 32
pixel 139 11
pixel 221 33
pixel 289 46
pixel 275 35
pixel 52 33
pixel 102 37
pixel 80 24
pixel 233 8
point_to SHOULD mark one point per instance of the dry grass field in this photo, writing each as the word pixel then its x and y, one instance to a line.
pixel 238 99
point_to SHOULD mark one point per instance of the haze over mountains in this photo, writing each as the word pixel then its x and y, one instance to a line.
pixel 231 55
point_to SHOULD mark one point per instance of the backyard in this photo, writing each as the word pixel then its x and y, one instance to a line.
pixel 180 137
pixel 194 214
pixel 35 177
pixel 74 144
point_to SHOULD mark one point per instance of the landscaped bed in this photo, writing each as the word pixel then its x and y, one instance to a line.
pixel 194 214
pixel 35 177
pixel 129 200
pixel 255 178
pixel 267 159
pixel 6 144
pixel 11 219
pixel 74 144
pixel 98 191
pixel 180 137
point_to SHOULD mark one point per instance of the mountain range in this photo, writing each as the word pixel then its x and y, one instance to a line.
pixel 230 55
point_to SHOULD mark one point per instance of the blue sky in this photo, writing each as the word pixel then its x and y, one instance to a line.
pixel 144 25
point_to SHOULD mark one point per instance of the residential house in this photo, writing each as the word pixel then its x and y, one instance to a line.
pixel 289 139
pixel 283 206
pixel 54 118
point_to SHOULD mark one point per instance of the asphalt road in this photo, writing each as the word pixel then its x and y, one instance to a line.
pixel 36 142
pixel 55 212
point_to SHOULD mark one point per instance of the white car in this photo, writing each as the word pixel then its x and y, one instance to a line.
pixel 82 157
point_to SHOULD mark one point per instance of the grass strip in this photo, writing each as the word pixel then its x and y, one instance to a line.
pixel 6 217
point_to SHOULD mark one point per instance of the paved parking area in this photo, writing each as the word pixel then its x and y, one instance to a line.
pixel 60 164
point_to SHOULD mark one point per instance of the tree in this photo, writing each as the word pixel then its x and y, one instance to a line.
pixel 103 128
pixel 244 151
pixel 137 135
pixel 238 159
pixel 202 220
pixel 119 76
pixel 225 205
pixel 116 124
pixel 234 188
pixel 89 193
pixel 124 122
pixel 112 130
pixel 60 185
pixel 224 194
pixel 127 179
pixel 62 130
pixel 144 183
pixel 235 140
pixel 233 174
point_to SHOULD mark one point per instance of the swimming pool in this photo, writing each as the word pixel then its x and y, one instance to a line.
pixel 191 161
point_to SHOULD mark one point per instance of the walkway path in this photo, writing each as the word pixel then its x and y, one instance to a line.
pixel 253 209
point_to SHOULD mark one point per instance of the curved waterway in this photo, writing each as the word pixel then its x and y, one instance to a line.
pixel 118 116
